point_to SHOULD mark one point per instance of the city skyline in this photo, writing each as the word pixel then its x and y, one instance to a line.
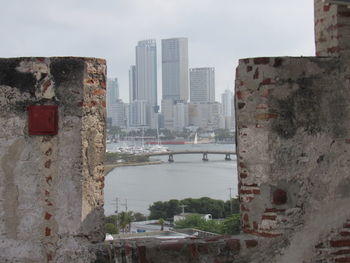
pixel 219 32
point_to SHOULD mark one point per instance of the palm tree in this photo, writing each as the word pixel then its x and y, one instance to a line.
pixel 125 219
pixel 161 222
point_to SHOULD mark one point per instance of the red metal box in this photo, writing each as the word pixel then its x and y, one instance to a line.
pixel 42 119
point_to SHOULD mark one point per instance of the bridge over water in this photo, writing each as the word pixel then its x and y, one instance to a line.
pixel 203 152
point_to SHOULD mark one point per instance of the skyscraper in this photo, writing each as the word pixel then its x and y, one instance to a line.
pixel 132 84
pixel 175 69
pixel 228 108
pixel 202 84
pixel 146 71
pixel 112 94
pixel 143 85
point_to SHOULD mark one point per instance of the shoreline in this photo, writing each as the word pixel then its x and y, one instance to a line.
pixel 110 167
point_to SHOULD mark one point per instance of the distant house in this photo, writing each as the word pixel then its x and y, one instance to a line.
pixel 185 215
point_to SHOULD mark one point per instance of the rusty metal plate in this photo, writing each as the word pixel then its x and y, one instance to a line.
pixel 42 119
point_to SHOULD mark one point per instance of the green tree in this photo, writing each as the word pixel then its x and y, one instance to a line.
pixel 232 225
pixel 111 228
pixel 139 217
pixel 165 209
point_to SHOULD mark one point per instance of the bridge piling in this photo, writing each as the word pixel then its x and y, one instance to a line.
pixel 171 158
pixel 227 157
pixel 205 157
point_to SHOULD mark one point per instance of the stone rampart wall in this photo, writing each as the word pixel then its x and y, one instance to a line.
pixel 51 186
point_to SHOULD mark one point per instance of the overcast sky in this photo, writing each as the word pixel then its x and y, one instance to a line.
pixel 219 31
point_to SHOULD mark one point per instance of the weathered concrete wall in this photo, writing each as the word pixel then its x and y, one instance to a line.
pixel 293 120
pixel 332 29
pixel 51 187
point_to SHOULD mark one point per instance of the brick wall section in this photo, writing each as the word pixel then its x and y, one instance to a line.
pixel 51 187
pixel 335 247
pixel 219 250
pixel 292 123
pixel 332 29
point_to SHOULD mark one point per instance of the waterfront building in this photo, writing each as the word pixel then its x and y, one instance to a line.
pixel 118 114
pixel 205 115
pixel 143 85
pixel 175 69
pixel 202 84
pixel 138 113
pixel 228 108
pixel 132 84
pixel 112 94
pixel 180 111
pixel 146 71
pixel 168 113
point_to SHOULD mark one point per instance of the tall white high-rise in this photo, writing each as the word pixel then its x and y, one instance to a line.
pixel 132 84
pixel 112 94
pixel 143 85
pixel 226 100
pixel 228 108
pixel 202 84
pixel 146 72
pixel 175 69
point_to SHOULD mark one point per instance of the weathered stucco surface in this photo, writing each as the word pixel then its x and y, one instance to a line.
pixel 51 187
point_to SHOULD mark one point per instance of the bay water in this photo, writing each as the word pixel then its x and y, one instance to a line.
pixel 137 187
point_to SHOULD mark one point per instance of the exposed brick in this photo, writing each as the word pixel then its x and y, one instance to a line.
pixel 47 164
pixel 266 82
pixel 99 92
pixel 344 233
pixel 243 175
pixel 344 13
pixel 256 191
pixel 274 210
pixel 267 234
pixel 326 8
pixel 234 244
pixel 343 260
pixel 176 246
pixel 49 257
pixel 268 217
pixel 246 192
pixel 278 62
pixel 246 217
pixel 240 95
pixel 342 252
pixel 47 216
pixel 266 116
pixel 263 60
pixel 142 254
pixel 265 93
pixel 256 74
pixel 340 243
pixel 47 231
pixel 243 208
pixel 279 197
pixel 242 165
pixel 194 250
pixel 251 243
